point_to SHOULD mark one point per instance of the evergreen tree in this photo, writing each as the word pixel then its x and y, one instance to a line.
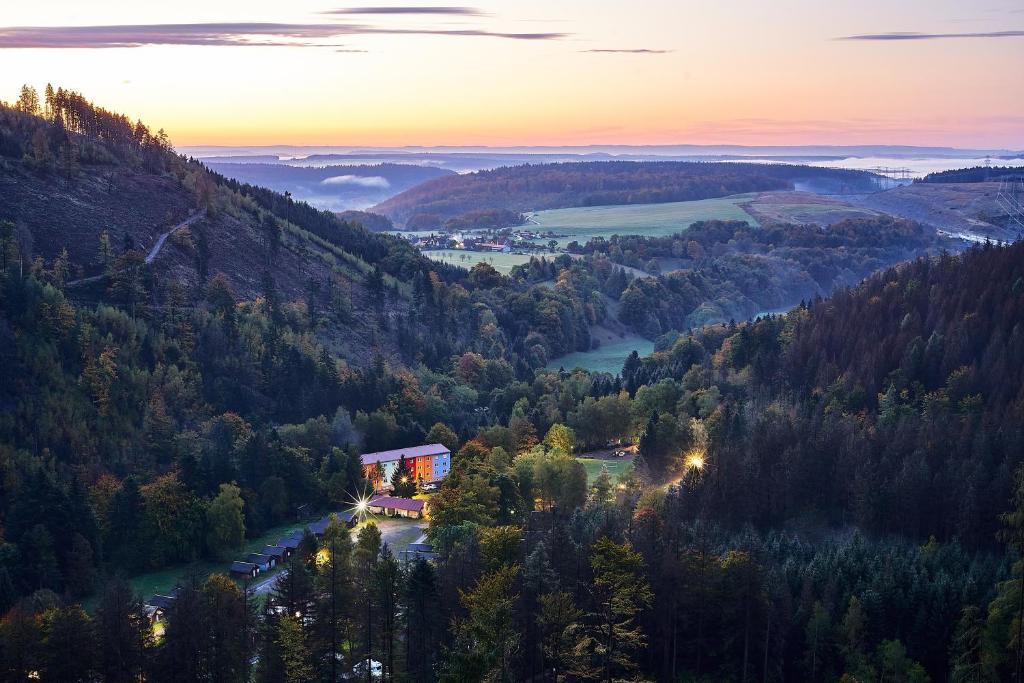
pixel 123 634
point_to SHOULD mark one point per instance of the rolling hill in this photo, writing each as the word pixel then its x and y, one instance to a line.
pixel 554 186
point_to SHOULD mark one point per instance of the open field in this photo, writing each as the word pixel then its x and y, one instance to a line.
pixel 585 223
pixel 609 357
pixel 503 263
pixel 616 467
pixel 803 207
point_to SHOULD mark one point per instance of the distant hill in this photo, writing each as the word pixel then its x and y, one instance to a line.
pixel 333 187
pixel 552 186
pixel 976 174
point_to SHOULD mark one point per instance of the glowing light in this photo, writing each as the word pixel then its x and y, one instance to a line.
pixel 298 614
pixel 323 556
pixel 695 459
pixel 405 480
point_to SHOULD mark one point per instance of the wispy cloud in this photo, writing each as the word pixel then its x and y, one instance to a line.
pixel 443 10
pixel 359 181
pixel 911 35
pixel 629 51
pixel 236 34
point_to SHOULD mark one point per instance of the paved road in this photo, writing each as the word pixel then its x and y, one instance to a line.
pixel 152 252
pixel 397 533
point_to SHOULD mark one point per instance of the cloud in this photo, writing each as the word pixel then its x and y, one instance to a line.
pixel 630 51
pixel 236 34
pixel 374 181
pixel 459 11
pixel 911 35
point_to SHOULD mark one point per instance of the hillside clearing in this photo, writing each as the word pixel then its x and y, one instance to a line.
pixel 609 357
pixel 503 263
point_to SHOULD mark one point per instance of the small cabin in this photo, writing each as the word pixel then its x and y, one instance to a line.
pixel 278 552
pixel 244 570
pixel 157 606
pixel 264 562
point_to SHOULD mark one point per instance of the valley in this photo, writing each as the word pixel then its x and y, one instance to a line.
pixel 809 407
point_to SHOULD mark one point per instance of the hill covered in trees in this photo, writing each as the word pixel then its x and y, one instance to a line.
pixel 827 493
pixel 552 186
pixel 90 195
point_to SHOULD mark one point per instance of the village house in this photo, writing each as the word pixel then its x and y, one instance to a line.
pixel 156 607
pixel 428 464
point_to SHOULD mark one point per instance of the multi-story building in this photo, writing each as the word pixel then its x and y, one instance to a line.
pixel 428 464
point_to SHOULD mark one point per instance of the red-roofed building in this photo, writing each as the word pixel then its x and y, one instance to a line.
pixel 414 508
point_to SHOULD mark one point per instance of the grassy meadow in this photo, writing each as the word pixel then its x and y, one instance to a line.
pixel 616 467
pixel 585 223
pixel 503 263
pixel 609 357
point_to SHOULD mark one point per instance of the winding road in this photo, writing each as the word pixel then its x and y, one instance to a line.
pixel 152 252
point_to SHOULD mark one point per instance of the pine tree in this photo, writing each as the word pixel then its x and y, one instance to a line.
pixel 124 636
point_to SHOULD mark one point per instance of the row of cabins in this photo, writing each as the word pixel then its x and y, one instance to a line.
pixel 255 564
pixel 428 464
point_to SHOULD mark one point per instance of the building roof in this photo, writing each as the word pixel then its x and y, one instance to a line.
pixel 160 601
pixel 290 542
pixel 239 567
pixel 274 550
pixel 320 526
pixel 390 502
pixel 413 452
pixel 258 558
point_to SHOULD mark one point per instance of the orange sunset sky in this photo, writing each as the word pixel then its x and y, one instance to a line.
pixel 322 72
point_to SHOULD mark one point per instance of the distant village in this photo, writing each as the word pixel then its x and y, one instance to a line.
pixel 505 241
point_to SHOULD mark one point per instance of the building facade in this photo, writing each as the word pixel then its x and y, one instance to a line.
pixel 428 464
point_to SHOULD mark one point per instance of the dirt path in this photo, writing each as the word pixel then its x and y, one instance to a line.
pixel 163 238
pixel 152 252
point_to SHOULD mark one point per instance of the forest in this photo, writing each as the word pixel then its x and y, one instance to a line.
pixel 977 174
pixel 834 493
pixel 597 183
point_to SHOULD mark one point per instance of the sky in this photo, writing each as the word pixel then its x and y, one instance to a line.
pixel 535 72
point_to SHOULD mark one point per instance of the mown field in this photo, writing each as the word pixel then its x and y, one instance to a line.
pixel 616 467
pixel 585 223
pixel 503 263
pixel 608 358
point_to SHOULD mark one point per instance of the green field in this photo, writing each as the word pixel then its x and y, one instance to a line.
pixel 584 223
pixel 609 357
pixel 165 579
pixel 503 263
pixel 616 467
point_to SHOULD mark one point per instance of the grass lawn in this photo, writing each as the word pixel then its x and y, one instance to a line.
pixel 503 263
pixel 165 579
pixel 609 357
pixel 639 219
pixel 616 467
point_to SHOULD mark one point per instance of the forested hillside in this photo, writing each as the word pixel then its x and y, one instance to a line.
pixel 831 494
pixel 552 186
